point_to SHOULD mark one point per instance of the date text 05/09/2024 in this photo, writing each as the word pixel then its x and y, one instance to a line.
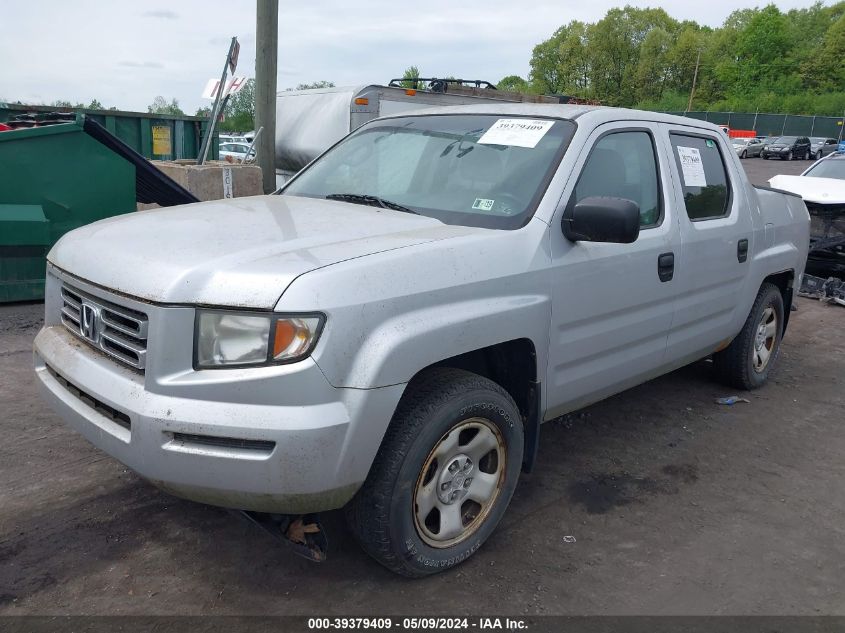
pixel 418 623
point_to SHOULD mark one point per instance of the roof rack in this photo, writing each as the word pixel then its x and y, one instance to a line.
pixel 433 84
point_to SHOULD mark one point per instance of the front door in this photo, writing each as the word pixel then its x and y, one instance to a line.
pixel 612 304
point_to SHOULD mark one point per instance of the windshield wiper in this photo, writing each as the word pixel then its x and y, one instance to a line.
pixel 358 198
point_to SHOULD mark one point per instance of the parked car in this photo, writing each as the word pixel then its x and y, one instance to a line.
pixel 822 186
pixel 746 147
pixel 822 146
pixel 233 138
pixel 787 148
pixel 389 331
pixel 238 151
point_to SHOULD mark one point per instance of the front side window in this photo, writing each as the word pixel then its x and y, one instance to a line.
pixel 476 170
pixel 623 165
pixel 703 176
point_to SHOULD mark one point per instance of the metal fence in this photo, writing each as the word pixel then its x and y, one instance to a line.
pixel 774 124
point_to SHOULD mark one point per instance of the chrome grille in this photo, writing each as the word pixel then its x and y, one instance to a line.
pixel 116 330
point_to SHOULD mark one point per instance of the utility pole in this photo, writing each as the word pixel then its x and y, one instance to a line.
pixel 694 79
pixel 266 60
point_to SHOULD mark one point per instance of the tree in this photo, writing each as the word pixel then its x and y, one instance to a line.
pixel 161 106
pixel 316 84
pixel 513 83
pixel 95 105
pixel 826 70
pixel 409 76
pixel 240 110
pixel 763 52
pixel 67 105
pixel 757 60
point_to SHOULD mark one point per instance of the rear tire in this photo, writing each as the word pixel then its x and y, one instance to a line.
pixel 747 361
pixel 443 476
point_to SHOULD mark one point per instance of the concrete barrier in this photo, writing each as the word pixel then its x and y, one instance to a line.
pixel 212 181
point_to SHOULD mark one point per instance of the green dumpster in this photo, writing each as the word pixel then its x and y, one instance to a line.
pixel 52 179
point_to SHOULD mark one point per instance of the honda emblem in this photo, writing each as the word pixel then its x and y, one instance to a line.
pixel 89 322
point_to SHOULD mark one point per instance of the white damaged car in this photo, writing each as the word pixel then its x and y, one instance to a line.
pixel 822 186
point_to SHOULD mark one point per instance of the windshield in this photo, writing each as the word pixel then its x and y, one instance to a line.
pixel 828 168
pixel 476 170
pixel 785 140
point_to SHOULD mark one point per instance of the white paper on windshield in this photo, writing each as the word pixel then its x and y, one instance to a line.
pixel 518 132
pixel 692 167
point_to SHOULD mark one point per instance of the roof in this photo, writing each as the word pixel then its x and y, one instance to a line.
pixel 594 114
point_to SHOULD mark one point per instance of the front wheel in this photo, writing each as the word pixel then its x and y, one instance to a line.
pixel 746 362
pixel 443 476
pixel 819 155
pixel 789 155
pixel 744 154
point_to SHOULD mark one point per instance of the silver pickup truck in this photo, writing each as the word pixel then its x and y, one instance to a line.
pixel 387 333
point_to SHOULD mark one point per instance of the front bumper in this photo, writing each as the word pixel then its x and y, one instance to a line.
pixel 778 153
pixel 270 439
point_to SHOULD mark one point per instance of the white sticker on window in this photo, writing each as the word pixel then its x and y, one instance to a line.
pixel 692 167
pixel 517 132
pixel 483 204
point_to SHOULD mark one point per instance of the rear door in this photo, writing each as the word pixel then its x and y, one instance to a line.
pixel 716 233
pixel 612 303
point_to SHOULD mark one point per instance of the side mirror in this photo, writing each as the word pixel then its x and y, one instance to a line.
pixel 600 219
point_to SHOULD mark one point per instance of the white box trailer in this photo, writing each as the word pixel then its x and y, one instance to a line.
pixel 310 121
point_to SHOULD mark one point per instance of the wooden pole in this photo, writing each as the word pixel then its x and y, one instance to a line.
pixel 694 79
pixel 266 60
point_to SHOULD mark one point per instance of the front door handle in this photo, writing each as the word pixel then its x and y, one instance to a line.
pixel 742 250
pixel 666 266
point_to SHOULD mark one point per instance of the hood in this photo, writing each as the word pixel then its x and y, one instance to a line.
pixel 239 253
pixel 819 190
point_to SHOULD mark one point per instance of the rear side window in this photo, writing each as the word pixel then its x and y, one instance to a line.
pixel 623 165
pixel 703 176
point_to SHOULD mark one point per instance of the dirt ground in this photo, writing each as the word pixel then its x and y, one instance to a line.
pixel 656 501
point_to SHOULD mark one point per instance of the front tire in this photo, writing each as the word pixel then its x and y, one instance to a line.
pixel 819 155
pixel 789 156
pixel 443 476
pixel 746 362
pixel 744 154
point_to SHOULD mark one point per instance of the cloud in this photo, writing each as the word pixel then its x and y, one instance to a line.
pixel 332 40
pixel 129 64
pixel 163 14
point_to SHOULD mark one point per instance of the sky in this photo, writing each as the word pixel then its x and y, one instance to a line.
pixel 125 53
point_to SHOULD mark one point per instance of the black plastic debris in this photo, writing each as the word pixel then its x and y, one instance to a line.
pixel 151 185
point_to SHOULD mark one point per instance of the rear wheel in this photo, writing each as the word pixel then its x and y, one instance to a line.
pixel 443 476
pixel 746 362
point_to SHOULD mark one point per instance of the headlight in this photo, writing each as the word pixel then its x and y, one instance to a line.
pixel 238 339
pixel 766 147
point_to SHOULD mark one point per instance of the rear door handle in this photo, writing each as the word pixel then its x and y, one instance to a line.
pixel 666 266
pixel 742 250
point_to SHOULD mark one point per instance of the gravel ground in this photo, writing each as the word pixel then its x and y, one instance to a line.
pixel 655 501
